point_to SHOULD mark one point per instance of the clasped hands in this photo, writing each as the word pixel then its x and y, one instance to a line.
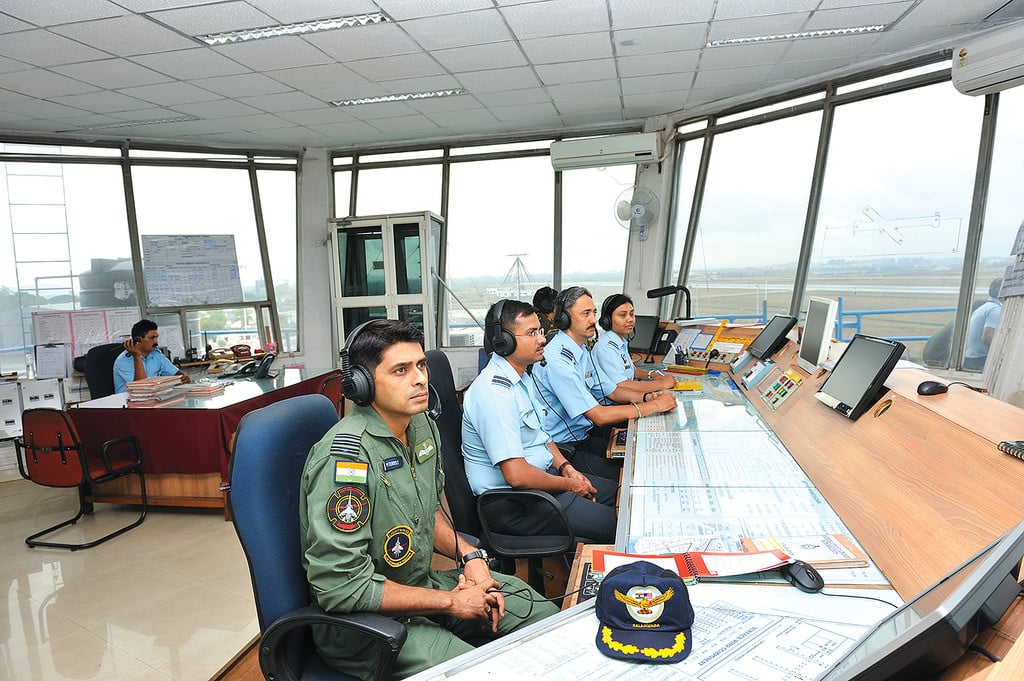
pixel 478 596
pixel 579 483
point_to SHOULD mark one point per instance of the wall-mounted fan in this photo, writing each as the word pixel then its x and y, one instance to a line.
pixel 637 207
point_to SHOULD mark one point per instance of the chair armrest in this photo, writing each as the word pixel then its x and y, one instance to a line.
pixel 388 638
pixel 117 442
pixel 533 498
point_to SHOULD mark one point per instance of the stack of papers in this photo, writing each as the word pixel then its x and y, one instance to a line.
pixel 205 389
pixel 155 391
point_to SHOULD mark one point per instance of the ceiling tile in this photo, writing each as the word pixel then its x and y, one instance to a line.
pixel 283 101
pixel 111 73
pixel 9 24
pixel 513 97
pixel 824 48
pixel 650 64
pixel 408 125
pixel 43 84
pixel 199 62
pixel 577 71
pixel 155 114
pixel 290 11
pixel 426 84
pixel 380 110
pixel 557 17
pixel 42 48
pixel 51 13
pixel 374 40
pixel 496 80
pixel 857 16
pixel 9 65
pixel 742 28
pixel 761 8
pixel 481 57
pixel 103 102
pixel 604 106
pixel 40 108
pixel 577 47
pixel 636 41
pixel 257 122
pixel 474 28
pixel 153 5
pixel 243 85
pixel 311 77
pixel 732 56
pixel 536 114
pixel 441 104
pixel 751 77
pixel 125 36
pixel 322 116
pixel 944 14
pixel 218 108
pixel 410 9
pixel 638 13
pixel 346 130
pixel 356 91
pixel 592 90
pixel 660 83
pixel 275 53
pixel 218 18
pixel 393 68
pixel 169 94
pixel 456 119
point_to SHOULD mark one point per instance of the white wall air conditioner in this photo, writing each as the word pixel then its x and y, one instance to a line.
pixel 597 152
pixel 991 62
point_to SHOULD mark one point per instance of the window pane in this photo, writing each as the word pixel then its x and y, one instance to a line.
pixel 594 243
pixel 407 257
pixel 500 241
pixel 385 191
pixel 752 219
pixel 354 316
pixel 342 190
pixel 894 213
pixel 222 328
pixel 200 201
pixel 685 186
pixel 361 254
pixel 277 199
pixel 1003 217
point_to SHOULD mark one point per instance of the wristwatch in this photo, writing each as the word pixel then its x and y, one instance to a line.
pixel 472 555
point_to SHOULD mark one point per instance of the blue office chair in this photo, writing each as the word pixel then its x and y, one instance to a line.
pixel 270 450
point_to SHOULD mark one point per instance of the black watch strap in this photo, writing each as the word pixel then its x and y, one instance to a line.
pixel 479 553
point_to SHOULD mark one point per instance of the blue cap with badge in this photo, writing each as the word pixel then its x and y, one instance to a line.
pixel 644 613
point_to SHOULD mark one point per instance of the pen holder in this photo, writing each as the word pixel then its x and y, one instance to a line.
pixel 680 358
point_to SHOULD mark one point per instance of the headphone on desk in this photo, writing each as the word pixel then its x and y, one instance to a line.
pixel 499 340
pixel 356 380
pixel 611 303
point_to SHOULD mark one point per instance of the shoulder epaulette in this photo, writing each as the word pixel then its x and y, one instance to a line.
pixel 346 443
pixel 501 381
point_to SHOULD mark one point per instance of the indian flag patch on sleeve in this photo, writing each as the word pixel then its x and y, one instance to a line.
pixel 350 471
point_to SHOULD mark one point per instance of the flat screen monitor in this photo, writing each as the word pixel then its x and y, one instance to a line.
pixel 644 332
pixel 930 632
pixel 817 335
pixel 772 336
pixel 858 378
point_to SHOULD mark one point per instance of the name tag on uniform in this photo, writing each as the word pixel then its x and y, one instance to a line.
pixel 392 463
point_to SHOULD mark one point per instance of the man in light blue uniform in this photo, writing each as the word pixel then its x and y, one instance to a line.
pixel 504 445
pixel 622 381
pixel 981 328
pixel 572 410
pixel 141 358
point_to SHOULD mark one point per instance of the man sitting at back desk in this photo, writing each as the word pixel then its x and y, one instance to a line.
pixel 564 384
pixel 141 359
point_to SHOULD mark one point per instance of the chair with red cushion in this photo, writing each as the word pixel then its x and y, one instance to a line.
pixel 51 454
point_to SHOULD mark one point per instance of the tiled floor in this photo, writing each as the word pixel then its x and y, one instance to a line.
pixel 170 599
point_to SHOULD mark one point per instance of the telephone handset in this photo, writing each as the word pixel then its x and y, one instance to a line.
pixel 258 368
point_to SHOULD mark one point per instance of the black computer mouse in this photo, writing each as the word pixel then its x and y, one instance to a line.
pixel 931 388
pixel 803 576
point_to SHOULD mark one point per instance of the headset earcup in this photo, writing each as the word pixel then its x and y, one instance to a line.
pixel 359 385
pixel 503 343
pixel 604 322
pixel 562 320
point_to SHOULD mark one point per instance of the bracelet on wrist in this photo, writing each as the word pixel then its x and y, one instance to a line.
pixel 646 395
pixel 636 406
pixel 562 467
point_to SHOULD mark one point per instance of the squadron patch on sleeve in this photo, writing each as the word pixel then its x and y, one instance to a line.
pixel 348 509
pixel 398 546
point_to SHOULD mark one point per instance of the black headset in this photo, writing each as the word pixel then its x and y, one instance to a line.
pixel 502 342
pixel 611 303
pixel 563 320
pixel 356 380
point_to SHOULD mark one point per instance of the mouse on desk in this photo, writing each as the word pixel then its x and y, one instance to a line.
pixel 932 388
pixel 803 576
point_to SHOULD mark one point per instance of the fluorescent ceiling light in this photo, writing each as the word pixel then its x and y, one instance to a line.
pixel 404 97
pixel 151 121
pixel 825 32
pixel 300 28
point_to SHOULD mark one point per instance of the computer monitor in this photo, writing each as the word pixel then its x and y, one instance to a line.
pixel 858 378
pixel 772 336
pixel 644 332
pixel 930 632
pixel 817 335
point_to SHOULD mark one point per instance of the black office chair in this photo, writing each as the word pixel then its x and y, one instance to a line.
pixel 471 514
pixel 99 369
pixel 269 453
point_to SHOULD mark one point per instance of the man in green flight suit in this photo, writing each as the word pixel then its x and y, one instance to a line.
pixel 370 518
